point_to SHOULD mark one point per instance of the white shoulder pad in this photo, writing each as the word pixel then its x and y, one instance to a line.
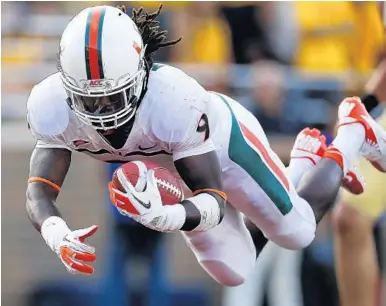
pixel 47 109
pixel 172 110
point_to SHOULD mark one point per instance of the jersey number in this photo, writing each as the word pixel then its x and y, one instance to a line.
pixel 203 126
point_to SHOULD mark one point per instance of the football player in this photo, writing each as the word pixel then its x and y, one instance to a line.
pixel 110 101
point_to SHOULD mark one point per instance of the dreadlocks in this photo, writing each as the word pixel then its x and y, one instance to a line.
pixel 148 27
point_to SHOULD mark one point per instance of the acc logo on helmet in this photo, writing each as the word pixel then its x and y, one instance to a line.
pixel 96 84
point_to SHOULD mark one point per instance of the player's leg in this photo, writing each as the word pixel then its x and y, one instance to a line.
pixel 355 252
pixel 256 185
pixel 225 252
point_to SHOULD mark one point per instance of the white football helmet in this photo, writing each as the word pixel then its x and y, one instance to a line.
pixel 102 66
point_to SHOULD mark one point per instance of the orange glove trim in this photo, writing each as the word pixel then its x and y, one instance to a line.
pixel 67 255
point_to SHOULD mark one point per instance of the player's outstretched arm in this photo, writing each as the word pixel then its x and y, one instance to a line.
pixel 48 169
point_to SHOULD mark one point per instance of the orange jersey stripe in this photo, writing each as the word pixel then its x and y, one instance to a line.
pixel 264 154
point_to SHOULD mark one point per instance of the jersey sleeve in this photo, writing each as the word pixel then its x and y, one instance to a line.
pixel 196 139
pixel 47 118
pixel 180 114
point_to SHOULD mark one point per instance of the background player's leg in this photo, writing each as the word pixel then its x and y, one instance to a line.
pixel 226 252
pixel 355 254
pixel 253 291
pixel 355 248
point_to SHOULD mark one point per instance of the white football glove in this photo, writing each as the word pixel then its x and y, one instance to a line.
pixel 70 245
pixel 146 206
pixel 73 249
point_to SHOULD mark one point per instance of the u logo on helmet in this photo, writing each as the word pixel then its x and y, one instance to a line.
pixel 137 47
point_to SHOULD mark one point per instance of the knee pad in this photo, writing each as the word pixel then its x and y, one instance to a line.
pixel 223 273
pixel 227 261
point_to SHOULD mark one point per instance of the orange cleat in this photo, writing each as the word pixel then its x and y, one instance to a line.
pixel 351 111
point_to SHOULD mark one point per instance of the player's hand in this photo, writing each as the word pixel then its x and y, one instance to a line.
pixel 74 252
pixel 144 206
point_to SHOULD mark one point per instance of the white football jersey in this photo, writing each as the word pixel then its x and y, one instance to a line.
pixel 169 123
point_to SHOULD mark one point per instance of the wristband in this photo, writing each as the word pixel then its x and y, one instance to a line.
pixel 53 230
pixel 203 212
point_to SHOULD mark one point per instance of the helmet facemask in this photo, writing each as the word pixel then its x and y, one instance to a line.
pixel 107 109
pixel 106 77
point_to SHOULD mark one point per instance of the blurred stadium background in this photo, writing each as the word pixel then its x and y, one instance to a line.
pixel 286 62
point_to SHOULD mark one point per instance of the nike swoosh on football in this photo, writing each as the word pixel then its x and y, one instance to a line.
pixel 144 149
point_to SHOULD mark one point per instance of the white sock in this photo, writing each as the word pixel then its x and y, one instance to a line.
pixel 297 168
pixel 349 141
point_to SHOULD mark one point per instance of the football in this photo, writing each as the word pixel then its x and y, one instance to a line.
pixel 170 187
